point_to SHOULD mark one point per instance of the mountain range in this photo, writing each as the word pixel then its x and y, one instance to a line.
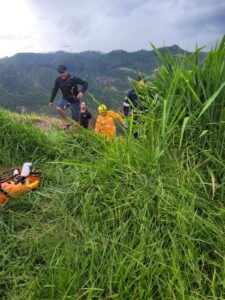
pixel 26 79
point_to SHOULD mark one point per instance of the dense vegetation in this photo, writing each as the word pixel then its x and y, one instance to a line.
pixel 130 219
pixel 26 79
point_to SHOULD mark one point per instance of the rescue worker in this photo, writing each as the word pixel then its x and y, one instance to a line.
pixel 105 124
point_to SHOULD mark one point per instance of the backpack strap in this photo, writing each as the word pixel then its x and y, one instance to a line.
pixel 4 193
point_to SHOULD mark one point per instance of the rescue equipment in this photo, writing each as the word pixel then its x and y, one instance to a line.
pixel 17 181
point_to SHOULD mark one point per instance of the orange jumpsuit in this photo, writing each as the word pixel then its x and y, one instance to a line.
pixel 105 124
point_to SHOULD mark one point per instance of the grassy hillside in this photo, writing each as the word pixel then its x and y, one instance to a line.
pixel 130 219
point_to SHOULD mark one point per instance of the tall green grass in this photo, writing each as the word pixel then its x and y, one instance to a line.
pixel 130 219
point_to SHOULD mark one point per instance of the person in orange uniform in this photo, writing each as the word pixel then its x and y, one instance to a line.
pixel 105 124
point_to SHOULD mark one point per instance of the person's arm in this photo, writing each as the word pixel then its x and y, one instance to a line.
pixel 126 107
pixel 84 84
pixel 54 91
pixel 132 98
pixel 89 119
pixel 116 116
pixel 127 103
pixel 98 125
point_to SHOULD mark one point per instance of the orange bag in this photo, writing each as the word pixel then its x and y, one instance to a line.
pixel 10 187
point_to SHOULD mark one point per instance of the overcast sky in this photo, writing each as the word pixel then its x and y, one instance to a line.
pixel 105 25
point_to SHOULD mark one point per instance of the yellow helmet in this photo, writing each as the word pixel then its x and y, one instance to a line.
pixel 102 108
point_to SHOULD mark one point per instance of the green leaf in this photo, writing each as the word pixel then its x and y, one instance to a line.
pixel 186 119
pixel 211 100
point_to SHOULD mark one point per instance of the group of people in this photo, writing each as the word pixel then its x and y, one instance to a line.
pixel 72 97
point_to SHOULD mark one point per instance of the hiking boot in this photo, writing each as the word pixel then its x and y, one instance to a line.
pixel 66 124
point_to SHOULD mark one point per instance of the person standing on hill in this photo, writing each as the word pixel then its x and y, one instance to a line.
pixel 135 103
pixel 85 115
pixel 133 99
pixel 71 95
pixel 105 124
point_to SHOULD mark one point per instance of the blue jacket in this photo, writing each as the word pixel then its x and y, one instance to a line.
pixel 131 97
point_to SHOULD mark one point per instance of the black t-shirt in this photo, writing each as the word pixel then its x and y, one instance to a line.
pixel 84 117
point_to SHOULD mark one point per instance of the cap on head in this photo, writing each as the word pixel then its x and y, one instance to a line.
pixel 140 78
pixel 61 68
pixel 102 108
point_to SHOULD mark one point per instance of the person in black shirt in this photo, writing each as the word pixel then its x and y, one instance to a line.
pixel 71 96
pixel 85 115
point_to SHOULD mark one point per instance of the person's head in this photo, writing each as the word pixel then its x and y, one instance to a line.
pixel 140 82
pixel 102 109
pixel 62 70
pixel 83 105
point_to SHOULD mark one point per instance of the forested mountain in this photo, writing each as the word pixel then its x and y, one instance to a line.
pixel 26 79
